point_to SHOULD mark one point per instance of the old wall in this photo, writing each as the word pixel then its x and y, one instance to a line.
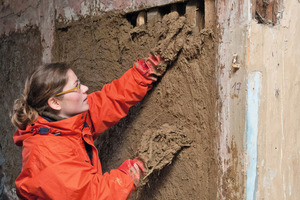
pixel 233 20
pixel 259 113
pixel 257 80
pixel 22 13
pixel 20 52
pixel 275 53
pixel 106 45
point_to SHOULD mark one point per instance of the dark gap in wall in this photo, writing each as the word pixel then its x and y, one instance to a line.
pixel 181 8
pixel 267 12
pixel 131 17
pixel 201 8
pixel 163 10
pixel 64 28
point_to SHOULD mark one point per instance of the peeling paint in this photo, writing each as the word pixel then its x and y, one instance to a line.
pixel 231 116
pixel 70 14
pixel 85 8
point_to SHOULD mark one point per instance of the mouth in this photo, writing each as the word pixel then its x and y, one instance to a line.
pixel 85 100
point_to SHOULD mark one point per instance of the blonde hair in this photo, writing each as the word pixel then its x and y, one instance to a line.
pixel 46 81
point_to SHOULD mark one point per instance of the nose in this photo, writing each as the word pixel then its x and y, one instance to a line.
pixel 84 88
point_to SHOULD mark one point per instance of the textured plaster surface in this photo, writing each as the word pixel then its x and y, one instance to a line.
pixel 20 14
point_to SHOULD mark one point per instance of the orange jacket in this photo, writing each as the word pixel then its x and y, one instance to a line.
pixel 55 161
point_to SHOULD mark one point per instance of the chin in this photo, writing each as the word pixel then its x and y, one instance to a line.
pixel 87 108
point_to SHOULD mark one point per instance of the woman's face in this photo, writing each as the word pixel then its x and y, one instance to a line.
pixel 74 102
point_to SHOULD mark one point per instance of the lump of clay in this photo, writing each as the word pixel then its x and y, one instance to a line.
pixel 158 148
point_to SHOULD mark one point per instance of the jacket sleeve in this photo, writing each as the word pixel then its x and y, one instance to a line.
pixel 44 176
pixel 112 103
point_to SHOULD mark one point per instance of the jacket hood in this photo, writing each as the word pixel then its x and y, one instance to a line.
pixel 70 126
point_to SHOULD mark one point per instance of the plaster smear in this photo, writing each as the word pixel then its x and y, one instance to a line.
pixel 158 148
pixel 173 128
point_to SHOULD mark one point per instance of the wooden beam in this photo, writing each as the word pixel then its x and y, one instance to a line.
pixel 253 8
pixel 153 13
pixel 210 13
pixel 193 14
pixel 141 18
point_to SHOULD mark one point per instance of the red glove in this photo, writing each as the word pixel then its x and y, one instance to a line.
pixel 149 68
pixel 133 168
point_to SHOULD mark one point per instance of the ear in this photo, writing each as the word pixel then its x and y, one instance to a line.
pixel 54 103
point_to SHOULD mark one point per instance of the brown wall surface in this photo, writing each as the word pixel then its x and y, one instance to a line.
pixel 20 53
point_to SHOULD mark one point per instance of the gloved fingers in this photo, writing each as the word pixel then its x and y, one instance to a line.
pixel 153 68
pixel 153 59
pixel 141 66
pixel 135 174
pixel 137 170
pixel 152 77
pixel 153 63
pixel 140 164
pixel 150 68
pixel 133 168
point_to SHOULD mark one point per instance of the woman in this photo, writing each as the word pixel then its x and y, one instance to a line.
pixel 57 122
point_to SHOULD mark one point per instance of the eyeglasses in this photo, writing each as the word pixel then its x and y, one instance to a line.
pixel 77 88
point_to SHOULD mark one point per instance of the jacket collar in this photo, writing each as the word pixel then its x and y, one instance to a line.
pixel 70 126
